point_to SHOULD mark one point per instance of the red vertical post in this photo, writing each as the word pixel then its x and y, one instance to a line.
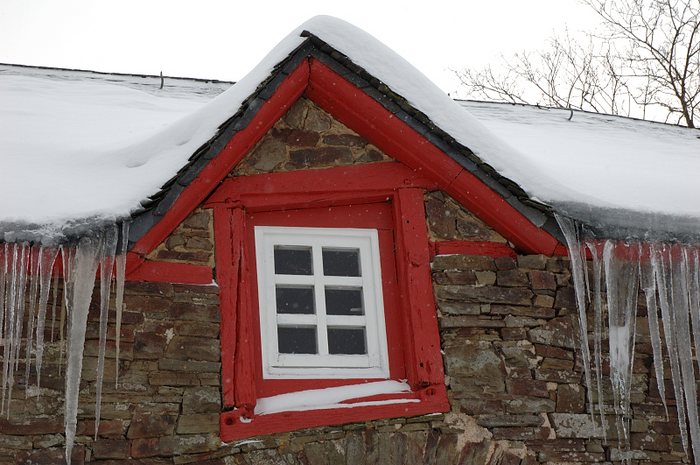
pixel 228 237
pixel 413 261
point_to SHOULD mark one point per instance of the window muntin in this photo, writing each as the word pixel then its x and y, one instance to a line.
pixel 321 305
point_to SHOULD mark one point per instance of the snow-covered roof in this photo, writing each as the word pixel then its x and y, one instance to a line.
pixel 79 148
pixel 599 168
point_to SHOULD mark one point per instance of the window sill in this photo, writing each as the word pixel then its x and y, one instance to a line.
pixel 332 406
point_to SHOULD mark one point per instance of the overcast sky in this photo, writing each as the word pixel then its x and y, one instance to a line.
pixel 224 39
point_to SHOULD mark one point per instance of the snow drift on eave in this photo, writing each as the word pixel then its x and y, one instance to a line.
pixel 553 163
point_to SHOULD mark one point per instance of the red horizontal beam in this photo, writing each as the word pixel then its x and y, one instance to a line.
pixel 489 249
pixel 368 178
pixel 167 272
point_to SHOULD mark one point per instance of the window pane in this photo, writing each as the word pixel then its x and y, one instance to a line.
pixel 347 341
pixel 299 300
pixel 296 339
pixel 344 301
pixel 293 260
pixel 341 262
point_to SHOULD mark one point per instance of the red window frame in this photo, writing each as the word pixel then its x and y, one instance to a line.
pixel 374 216
pixel 395 196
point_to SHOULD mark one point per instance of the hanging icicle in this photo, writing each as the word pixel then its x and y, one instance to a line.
pixel 119 297
pixel 46 265
pixel 579 272
pixel 108 249
pixel 83 280
pixel 27 284
pixel 668 275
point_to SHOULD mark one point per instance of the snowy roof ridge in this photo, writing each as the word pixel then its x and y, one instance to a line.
pixel 466 102
pixel 111 73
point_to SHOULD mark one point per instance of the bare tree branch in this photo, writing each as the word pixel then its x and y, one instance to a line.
pixel 643 62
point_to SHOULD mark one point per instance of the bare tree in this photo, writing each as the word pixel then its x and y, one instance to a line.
pixel 644 62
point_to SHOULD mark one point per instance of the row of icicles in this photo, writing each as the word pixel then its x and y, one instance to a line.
pixel 27 274
pixel 668 275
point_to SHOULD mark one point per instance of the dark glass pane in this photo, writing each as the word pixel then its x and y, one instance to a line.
pixel 344 301
pixel 298 300
pixel 341 262
pixel 347 341
pixel 293 260
pixel 296 339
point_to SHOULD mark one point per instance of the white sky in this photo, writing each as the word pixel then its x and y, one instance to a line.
pixel 224 39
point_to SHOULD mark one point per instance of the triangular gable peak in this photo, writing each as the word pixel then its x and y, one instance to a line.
pixel 307 137
pixel 318 73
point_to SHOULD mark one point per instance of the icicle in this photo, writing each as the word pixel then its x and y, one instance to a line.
pixel 3 290
pixel 694 291
pixel 578 272
pixel 67 255
pixel 83 282
pixel 18 316
pixel 648 280
pixel 8 326
pixel 34 255
pixel 621 280
pixel 685 356
pixel 53 303
pixel 660 261
pixel 5 302
pixel 47 258
pixel 121 272
pixel 3 281
pixel 597 302
pixel 108 249
pixel 21 303
pixel 695 318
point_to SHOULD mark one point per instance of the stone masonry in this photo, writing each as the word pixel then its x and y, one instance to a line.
pixel 509 337
pixel 191 242
pixel 308 138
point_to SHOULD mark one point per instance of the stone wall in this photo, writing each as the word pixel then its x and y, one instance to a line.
pixel 308 138
pixel 509 331
pixel 447 220
pixel 514 380
pixel 191 242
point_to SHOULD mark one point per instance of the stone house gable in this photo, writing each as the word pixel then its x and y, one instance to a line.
pixel 503 314
pixel 507 329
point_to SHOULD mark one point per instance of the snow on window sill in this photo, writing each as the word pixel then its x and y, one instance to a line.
pixel 335 397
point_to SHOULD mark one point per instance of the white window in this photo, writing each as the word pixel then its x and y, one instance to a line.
pixel 321 306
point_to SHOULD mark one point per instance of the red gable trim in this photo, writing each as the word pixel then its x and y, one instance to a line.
pixel 220 166
pixel 359 111
pixel 367 117
pixel 213 173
